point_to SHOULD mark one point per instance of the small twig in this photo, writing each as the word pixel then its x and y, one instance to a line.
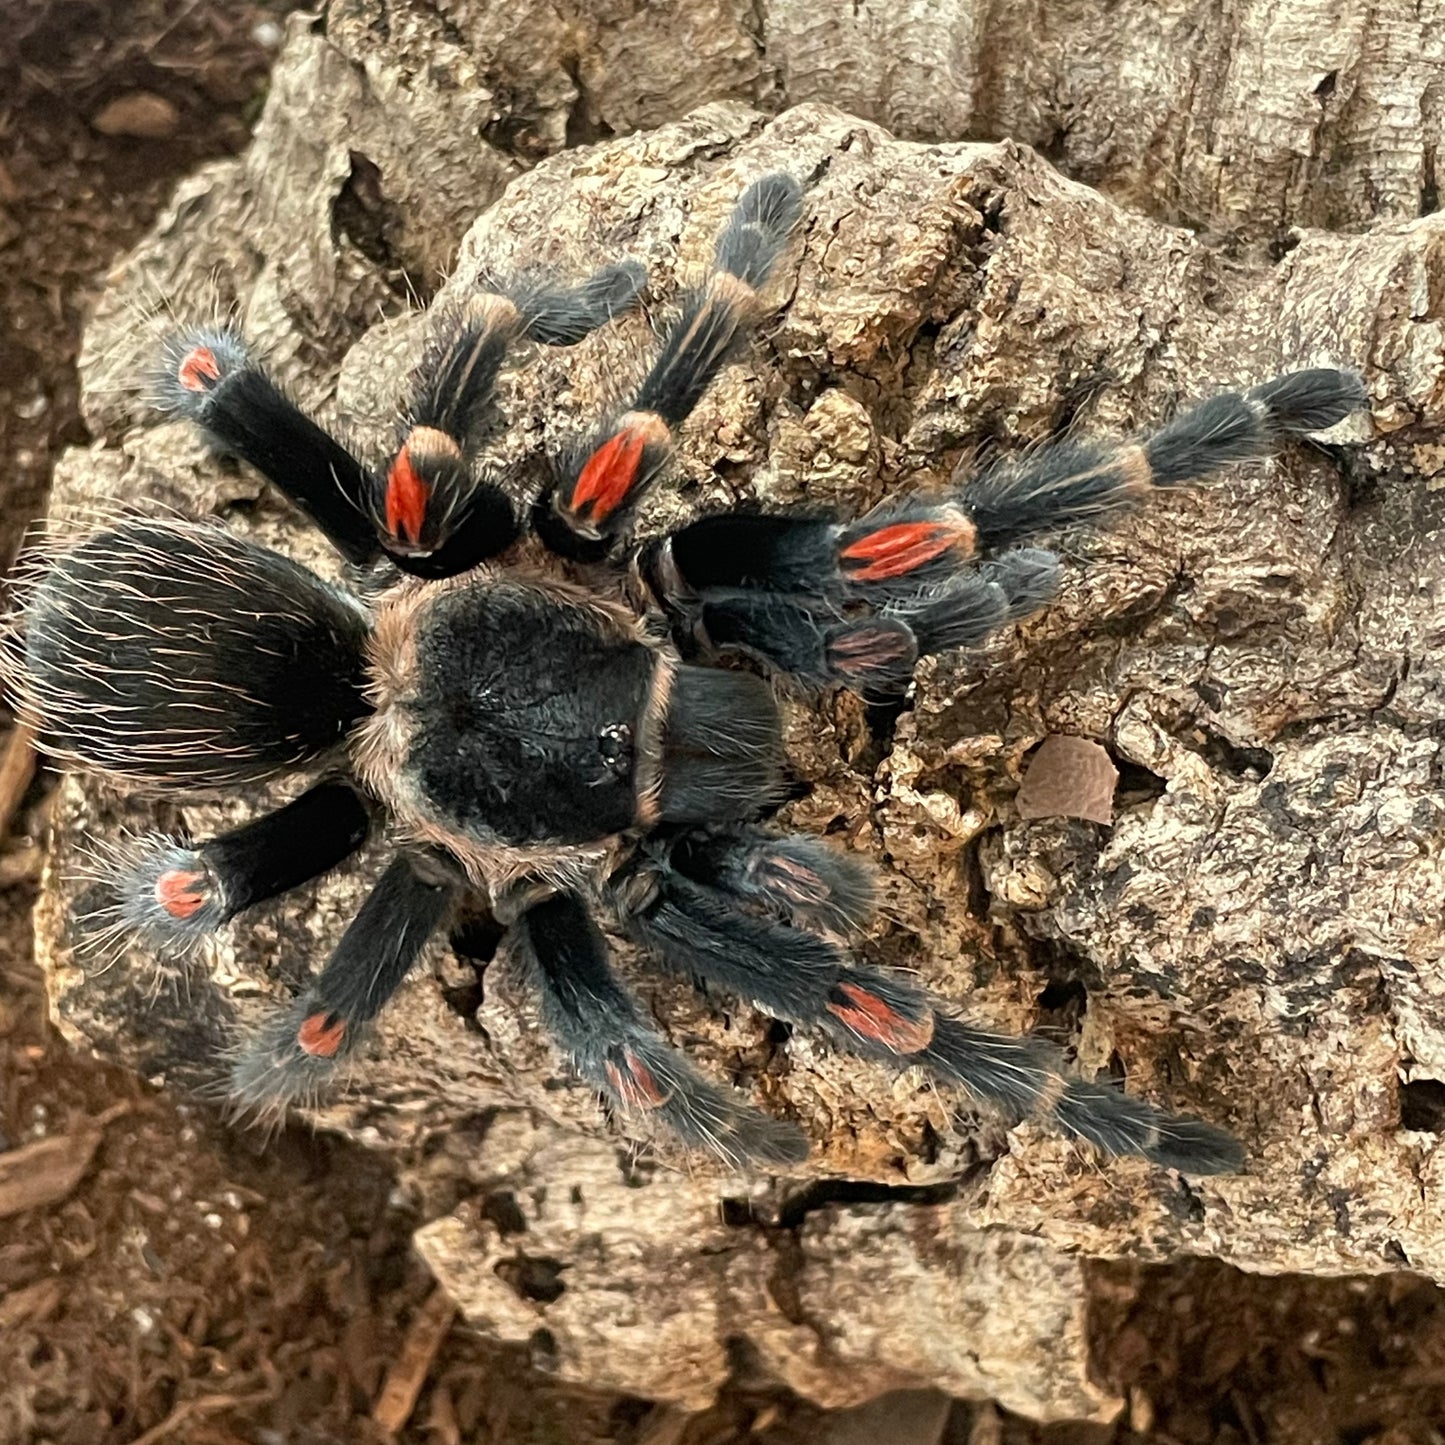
pixel 17 767
pixel 201 1405
pixel 409 1370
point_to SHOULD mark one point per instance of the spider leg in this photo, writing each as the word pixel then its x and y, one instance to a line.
pixel 695 926
pixel 170 894
pixel 616 1050
pixel 794 877
pixel 298 1052
pixel 208 376
pixel 598 483
pixel 871 649
pixel 1081 481
pixel 173 654
pixel 434 516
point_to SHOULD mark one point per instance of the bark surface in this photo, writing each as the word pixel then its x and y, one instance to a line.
pixel 1256 938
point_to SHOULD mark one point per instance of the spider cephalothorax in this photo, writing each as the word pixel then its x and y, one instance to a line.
pixel 561 720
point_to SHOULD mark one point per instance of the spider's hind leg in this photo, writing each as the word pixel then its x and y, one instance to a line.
pixel 170 895
pixel 695 921
pixel 296 1055
pixel 616 1050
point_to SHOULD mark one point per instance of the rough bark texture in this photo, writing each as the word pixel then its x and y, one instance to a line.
pixel 1246 117
pixel 1256 938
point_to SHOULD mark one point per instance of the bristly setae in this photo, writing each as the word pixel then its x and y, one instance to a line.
pixel 559 719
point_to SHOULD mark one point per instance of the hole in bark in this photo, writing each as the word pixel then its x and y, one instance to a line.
pixel 1062 1006
pixel 626 1418
pixel 1252 764
pixel 542 1347
pixel 1326 88
pixel 1282 245
pixel 362 215
pixel 474 944
pixel 1137 784
pixel 502 1210
pixel 737 1214
pixel 1422 1105
pixel 859 1191
pixel 882 720
pixel 534 1277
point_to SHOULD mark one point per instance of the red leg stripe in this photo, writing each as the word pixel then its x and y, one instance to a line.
pixel 320 1035
pixel 406 498
pixel 609 475
pixel 181 892
pixel 870 1018
pixel 869 647
pixel 897 550
pixel 199 370
pixel 637 1088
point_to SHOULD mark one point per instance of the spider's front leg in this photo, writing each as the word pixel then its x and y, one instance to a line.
pixel 614 1048
pixel 296 1055
pixel 721 910
pixel 858 602
pixel 598 483
pixel 435 515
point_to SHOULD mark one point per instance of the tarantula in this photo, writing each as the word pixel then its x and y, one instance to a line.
pixel 571 722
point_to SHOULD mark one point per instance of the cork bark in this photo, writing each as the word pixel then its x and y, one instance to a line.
pixel 1256 938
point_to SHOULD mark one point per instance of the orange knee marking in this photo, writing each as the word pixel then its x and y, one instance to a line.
pixel 181 892
pixel 610 474
pixel 870 1018
pixel 199 369
pixel 637 1088
pixel 320 1035
pixel 407 496
pixel 904 547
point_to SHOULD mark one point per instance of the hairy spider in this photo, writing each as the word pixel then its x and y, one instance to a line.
pixel 570 722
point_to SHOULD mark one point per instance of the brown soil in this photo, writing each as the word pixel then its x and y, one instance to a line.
pixel 177 1281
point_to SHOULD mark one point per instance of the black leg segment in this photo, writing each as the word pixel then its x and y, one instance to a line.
pixel 209 377
pixel 1078 481
pixel 602 1030
pixel 170 895
pixel 294 1057
pixel 598 482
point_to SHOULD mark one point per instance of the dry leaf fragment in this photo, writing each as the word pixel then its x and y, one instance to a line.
pixel 1069 777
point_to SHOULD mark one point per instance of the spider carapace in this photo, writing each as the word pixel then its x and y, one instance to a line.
pixel 574 721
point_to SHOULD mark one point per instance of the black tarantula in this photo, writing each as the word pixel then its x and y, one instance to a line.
pixel 563 719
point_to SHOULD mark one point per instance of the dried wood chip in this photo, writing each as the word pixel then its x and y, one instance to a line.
pixel 412 1365
pixel 1069 778
pixel 38 1174
pixel 17 767
pixel 30 1305
pixel 142 115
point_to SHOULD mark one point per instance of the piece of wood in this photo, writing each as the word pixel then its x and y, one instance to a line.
pixel 408 1372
